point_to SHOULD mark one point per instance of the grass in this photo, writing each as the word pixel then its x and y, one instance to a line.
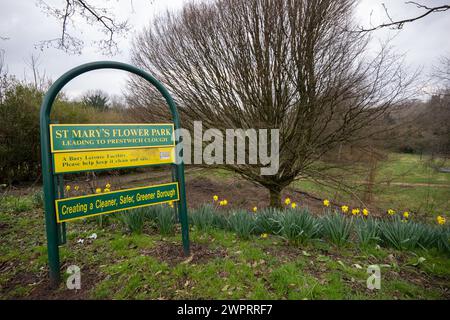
pixel 303 257
pixel 403 182
pixel 120 265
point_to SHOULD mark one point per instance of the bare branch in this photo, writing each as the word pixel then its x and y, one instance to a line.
pixel 102 17
pixel 400 23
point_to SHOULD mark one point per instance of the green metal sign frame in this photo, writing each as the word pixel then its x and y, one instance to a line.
pixel 55 231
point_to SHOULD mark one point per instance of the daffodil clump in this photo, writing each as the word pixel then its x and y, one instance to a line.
pixel 68 188
pixel 288 202
pixel 222 203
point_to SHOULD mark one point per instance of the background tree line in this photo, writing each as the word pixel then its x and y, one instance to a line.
pixel 20 102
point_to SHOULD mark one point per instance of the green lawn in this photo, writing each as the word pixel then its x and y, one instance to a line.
pixel 120 265
pixel 400 185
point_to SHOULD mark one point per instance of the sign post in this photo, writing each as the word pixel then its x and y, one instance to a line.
pixel 68 148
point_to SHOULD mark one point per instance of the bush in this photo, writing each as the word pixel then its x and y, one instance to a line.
pixel 337 228
pixel 20 131
pixel 298 226
pixel 242 223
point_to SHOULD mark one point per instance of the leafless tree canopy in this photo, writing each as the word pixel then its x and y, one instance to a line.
pixel 441 72
pixel 102 17
pixel 284 64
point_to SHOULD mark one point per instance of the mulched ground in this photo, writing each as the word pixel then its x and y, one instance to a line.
pixel 200 189
pixel 173 254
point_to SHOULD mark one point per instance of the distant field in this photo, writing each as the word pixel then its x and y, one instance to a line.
pixel 403 182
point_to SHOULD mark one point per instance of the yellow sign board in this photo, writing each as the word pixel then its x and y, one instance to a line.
pixel 67 162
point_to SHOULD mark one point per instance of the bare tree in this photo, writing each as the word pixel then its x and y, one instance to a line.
pixel 279 64
pixel 108 24
pixel 441 72
pixel 399 24
pixel 40 81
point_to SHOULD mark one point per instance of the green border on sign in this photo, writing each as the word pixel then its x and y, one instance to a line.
pixel 55 148
pixel 114 196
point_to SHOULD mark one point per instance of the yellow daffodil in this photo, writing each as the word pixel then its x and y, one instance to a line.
pixel 255 209
pixel 326 203
pixel 287 201
pixel 221 203
pixel 106 190
pixel 98 190
pixel 391 212
pixel 216 198
pixel 441 220
pixel 293 205
pixel 406 214
pixel 76 188
pixel 365 212
pixel 108 186
pixel 67 188
pixel 170 204
pixel 355 212
pixel 225 202
pixel 344 209
pixel 264 236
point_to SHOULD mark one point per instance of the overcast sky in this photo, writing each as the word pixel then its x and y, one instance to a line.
pixel 25 24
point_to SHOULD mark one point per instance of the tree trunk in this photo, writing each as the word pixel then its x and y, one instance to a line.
pixel 275 197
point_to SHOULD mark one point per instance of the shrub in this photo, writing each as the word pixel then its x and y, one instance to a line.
pixel 298 226
pixel 19 128
pixel 242 223
pixel 203 217
pixel 266 221
pixel 367 231
pixel 337 228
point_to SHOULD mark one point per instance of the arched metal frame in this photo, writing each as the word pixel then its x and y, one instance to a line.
pixel 48 178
